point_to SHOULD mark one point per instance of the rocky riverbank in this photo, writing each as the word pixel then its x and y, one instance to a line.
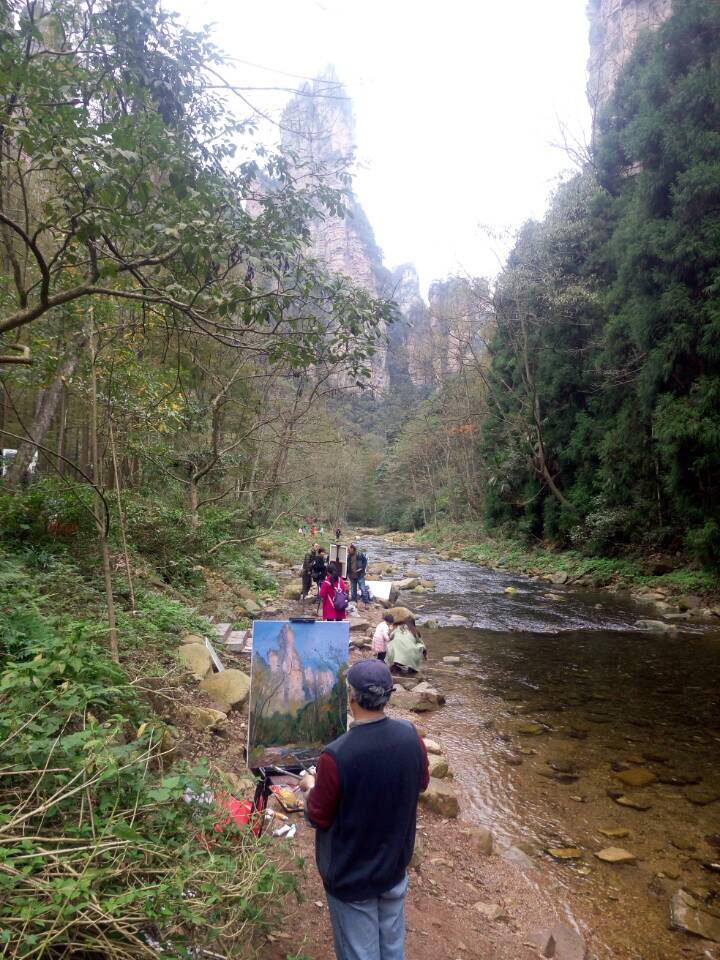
pixel 469 893
pixel 481 895
pixel 674 594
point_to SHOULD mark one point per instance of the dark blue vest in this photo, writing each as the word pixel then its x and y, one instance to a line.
pixel 367 848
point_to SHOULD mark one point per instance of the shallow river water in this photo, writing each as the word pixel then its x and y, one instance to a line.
pixel 606 698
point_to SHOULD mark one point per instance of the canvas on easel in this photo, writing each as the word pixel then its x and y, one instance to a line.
pixel 339 555
pixel 298 693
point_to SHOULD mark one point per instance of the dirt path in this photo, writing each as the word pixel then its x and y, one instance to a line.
pixel 447 879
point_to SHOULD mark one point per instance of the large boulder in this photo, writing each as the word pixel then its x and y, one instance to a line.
pixel 689 602
pixel 478 840
pixel 292 591
pixel 438 766
pixel 559 577
pixel 421 699
pixel 441 798
pixel 195 657
pixel 229 689
pixel 358 624
pixel 252 606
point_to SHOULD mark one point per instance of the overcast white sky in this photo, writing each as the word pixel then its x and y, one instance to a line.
pixel 457 104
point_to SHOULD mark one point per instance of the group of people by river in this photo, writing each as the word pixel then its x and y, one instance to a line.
pixel 399 644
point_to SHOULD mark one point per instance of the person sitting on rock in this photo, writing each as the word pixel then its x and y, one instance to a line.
pixel 406 651
pixel 381 637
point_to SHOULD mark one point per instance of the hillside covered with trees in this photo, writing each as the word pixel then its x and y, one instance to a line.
pixel 592 416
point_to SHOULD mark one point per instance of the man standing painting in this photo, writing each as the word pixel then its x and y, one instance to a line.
pixel 363 804
pixel 357 568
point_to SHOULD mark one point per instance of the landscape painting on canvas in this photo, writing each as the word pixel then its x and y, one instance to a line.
pixel 298 694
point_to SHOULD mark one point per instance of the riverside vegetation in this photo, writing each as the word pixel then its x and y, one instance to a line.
pixel 586 416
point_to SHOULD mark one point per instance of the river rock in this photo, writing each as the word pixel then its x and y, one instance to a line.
pixel 404 683
pixel 655 626
pixel 229 689
pixel 431 746
pixel 424 698
pixel 400 614
pixel 615 833
pixel 187 638
pixel 615 855
pixel 518 857
pixel 700 796
pixel 203 718
pixel 491 911
pixel 451 660
pixel 438 766
pixel 689 602
pixel 512 759
pixel 637 777
pixel 407 583
pixel 565 853
pixel 559 943
pixel 403 698
pixel 687 914
pixel 632 804
pixel 195 657
pixel 441 798
pixel 292 591
pixel 478 840
pixel 559 577
pixel 531 729
pixel 358 624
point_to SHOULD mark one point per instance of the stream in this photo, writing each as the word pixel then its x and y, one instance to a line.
pixel 556 693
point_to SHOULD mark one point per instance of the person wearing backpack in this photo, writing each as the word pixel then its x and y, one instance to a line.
pixel 333 592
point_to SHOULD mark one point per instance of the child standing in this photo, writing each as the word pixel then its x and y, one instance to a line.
pixel 381 637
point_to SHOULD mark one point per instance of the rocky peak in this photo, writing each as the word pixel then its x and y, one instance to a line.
pixel 614 28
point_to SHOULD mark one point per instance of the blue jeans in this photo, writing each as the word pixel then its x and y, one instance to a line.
pixel 370 929
pixel 364 592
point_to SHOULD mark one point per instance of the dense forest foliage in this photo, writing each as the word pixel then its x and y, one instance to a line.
pixel 167 348
pixel 593 416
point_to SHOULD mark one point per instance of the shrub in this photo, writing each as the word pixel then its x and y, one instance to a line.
pixel 101 856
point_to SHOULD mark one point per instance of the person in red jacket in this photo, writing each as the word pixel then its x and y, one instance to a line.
pixel 331 585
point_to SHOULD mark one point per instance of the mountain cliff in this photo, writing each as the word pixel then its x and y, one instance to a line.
pixel 614 27
pixel 428 342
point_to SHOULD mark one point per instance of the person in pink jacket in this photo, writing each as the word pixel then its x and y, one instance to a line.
pixel 332 583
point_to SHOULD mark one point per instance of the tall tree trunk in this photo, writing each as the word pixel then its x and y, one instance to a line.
pixel 99 515
pixel 45 411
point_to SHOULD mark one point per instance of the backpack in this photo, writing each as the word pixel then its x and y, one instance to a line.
pixel 340 601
